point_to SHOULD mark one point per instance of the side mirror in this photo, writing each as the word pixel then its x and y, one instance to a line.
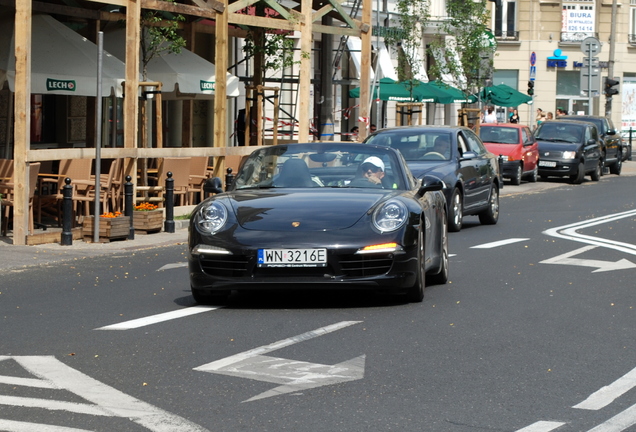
pixel 213 186
pixel 430 184
pixel 469 155
pixel 611 132
pixel 592 141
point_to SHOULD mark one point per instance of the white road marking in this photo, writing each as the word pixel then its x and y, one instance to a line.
pixel 600 266
pixel 154 319
pixel 619 422
pixel 173 266
pixel 541 426
pixel 16 426
pixel 569 232
pixel 499 243
pixel 606 395
pixel 291 374
pixel 104 400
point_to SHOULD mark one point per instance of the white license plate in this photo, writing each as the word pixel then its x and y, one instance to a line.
pixel 549 164
pixel 292 258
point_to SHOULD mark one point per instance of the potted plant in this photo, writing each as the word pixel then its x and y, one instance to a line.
pixel 147 217
pixel 112 225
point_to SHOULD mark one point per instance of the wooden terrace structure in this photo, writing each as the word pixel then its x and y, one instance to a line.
pixel 303 16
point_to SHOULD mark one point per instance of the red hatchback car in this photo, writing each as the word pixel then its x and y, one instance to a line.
pixel 516 144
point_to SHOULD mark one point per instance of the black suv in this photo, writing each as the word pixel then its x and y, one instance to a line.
pixel 611 148
pixel 569 148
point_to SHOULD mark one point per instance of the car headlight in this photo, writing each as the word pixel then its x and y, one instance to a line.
pixel 506 158
pixel 390 216
pixel 569 155
pixel 212 217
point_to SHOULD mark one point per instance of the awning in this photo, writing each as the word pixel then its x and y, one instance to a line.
pixel 62 61
pixel 406 91
pixel 503 95
pixel 457 95
pixel 385 64
pixel 184 76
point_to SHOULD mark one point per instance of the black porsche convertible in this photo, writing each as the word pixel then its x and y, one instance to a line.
pixel 320 215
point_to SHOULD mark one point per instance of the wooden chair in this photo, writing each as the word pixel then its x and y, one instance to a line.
pixel 9 199
pixel 198 175
pixel 79 171
pixel 180 168
pixel 106 194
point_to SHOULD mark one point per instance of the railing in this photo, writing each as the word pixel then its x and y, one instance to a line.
pixel 576 37
pixel 506 35
pixel 631 39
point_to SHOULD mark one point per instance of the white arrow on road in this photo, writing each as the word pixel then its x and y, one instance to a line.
pixel 600 266
pixel 292 375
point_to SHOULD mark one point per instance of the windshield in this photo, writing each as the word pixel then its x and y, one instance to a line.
pixel 321 166
pixel 499 135
pixel 416 145
pixel 556 132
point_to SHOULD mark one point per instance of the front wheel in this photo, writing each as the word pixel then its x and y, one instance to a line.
pixel 455 211
pixel 516 178
pixel 415 294
pixel 534 176
pixel 442 277
pixel 618 166
pixel 580 174
pixel 596 174
pixel 490 216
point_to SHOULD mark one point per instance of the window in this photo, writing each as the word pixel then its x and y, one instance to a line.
pixel 632 23
pixel 506 20
pixel 508 77
pixel 568 83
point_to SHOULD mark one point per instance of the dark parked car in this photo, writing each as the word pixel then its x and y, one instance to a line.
pixel 569 148
pixel 320 215
pixel 515 143
pixel 611 143
pixel 456 155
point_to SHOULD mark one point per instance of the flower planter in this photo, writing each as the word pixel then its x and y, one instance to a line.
pixel 109 228
pixel 148 221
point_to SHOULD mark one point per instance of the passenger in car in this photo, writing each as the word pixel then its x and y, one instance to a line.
pixel 370 173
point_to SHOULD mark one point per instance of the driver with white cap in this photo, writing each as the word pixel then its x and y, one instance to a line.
pixel 371 173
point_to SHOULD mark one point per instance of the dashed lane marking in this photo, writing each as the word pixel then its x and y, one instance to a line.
pixel 499 243
pixel 154 319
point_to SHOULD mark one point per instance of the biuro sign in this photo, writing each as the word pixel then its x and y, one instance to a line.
pixel 53 85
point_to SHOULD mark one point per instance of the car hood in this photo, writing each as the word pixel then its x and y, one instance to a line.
pixel 503 149
pixel 420 168
pixel 311 209
pixel 558 146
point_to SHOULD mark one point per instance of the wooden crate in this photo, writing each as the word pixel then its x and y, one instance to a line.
pixel 109 228
pixel 148 221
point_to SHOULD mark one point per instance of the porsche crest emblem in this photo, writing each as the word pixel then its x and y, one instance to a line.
pixel 295 224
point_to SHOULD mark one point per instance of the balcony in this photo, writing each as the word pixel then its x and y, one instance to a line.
pixel 506 35
pixel 576 37
pixel 632 39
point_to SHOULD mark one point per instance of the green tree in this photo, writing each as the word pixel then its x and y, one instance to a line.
pixel 159 36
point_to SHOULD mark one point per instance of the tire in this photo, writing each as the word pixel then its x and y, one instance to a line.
pixel 596 174
pixel 206 298
pixel 534 176
pixel 580 174
pixel 415 294
pixel 603 159
pixel 618 166
pixel 516 179
pixel 455 211
pixel 490 216
pixel 442 277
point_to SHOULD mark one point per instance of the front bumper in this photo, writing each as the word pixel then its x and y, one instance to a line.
pixel 230 266
pixel 509 169
pixel 563 168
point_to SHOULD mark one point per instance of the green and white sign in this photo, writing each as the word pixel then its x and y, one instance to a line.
pixel 207 85
pixel 55 85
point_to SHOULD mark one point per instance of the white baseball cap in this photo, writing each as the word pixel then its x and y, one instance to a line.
pixel 374 160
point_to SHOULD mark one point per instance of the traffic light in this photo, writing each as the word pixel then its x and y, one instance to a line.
pixel 530 87
pixel 611 87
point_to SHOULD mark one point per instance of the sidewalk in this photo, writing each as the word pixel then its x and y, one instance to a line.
pixel 17 258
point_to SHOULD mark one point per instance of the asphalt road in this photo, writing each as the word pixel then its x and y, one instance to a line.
pixel 538 316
